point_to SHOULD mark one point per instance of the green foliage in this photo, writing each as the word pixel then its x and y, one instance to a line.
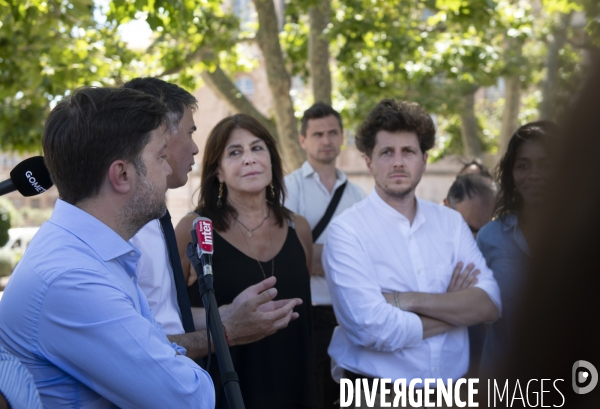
pixel 29 216
pixel 189 37
pixel 429 51
pixel 5 221
pixel 7 262
pixel 47 49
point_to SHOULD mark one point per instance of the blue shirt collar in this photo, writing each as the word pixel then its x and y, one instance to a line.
pixel 98 236
pixel 510 221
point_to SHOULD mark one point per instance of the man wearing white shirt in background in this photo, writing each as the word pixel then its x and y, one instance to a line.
pixel 310 190
pixel 393 263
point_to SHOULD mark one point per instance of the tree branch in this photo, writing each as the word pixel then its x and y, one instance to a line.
pixel 279 83
pixel 225 89
pixel 220 84
pixel 318 51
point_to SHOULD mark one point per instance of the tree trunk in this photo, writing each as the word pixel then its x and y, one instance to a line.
pixel 510 114
pixel 279 84
pixel 549 88
pixel 318 51
pixel 469 126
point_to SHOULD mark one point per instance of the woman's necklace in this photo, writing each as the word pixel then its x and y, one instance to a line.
pixel 272 268
pixel 249 231
pixel 248 244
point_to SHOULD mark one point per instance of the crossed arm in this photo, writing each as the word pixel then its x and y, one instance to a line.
pixel 461 305
pixel 373 323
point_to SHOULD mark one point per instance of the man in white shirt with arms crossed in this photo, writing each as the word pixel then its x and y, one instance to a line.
pixel 311 189
pixel 393 263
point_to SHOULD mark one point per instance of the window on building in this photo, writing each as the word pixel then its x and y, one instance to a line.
pixel 244 10
pixel 17 202
pixel 246 86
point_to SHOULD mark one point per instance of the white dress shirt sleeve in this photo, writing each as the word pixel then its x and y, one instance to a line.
pixel 468 252
pixel 362 311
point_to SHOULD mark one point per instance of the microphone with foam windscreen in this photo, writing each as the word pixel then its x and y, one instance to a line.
pixel 30 178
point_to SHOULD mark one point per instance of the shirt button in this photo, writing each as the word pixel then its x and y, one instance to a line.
pixel 132 253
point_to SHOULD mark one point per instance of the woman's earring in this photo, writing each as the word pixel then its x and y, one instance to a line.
pixel 272 190
pixel 219 203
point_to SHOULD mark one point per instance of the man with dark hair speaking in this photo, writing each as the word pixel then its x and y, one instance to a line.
pixel 253 314
pixel 398 246
pixel 73 312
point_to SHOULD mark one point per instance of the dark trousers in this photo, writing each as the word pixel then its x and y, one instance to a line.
pixel 324 323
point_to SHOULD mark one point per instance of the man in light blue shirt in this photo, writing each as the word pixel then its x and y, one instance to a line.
pixel 73 312
pixel 17 389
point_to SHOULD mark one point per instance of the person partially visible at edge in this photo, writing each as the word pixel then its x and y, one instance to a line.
pixel 556 325
pixel 73 312
pixel 17 388
pixel 475 167
pixel 394 264
pixel 253 314
pixel 310 189
pixel 473 195
pixel 255 237
pixel 522 177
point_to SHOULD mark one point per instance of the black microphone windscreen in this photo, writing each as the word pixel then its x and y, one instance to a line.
pixel 31 177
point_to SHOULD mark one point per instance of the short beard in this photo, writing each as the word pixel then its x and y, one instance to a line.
pixel 147 203
pixel 397 195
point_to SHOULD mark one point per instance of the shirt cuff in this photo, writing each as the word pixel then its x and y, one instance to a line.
pixel 178 348
pixel 414 330
pixel 493 292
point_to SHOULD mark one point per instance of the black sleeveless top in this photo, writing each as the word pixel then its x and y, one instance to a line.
pixel 276 372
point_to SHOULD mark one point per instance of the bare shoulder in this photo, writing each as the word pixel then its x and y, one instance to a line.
pixel 185 224
pixel 301 225
pixel 305 236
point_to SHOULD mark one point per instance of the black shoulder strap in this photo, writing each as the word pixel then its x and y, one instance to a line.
pixel 335 200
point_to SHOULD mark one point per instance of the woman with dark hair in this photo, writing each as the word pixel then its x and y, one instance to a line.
pixel 556 334
pixel 522 178
pixel 242 192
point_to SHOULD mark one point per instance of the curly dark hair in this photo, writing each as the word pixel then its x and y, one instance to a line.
pixel 395 116
pixel 509 200
pixel 209 183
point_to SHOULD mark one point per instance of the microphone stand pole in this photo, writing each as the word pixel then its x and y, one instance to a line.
pixel 229 378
